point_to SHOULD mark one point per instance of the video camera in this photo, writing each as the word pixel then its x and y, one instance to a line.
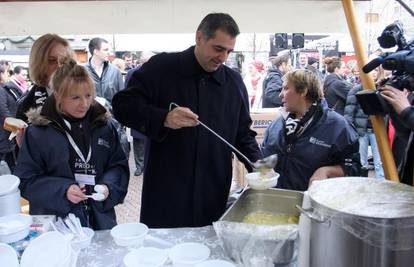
pixel 401 62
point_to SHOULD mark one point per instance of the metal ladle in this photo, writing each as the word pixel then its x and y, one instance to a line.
pixel 262 164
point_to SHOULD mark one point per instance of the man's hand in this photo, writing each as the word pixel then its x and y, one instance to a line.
pixel 397 98
pixel 75 194
pixel 180 117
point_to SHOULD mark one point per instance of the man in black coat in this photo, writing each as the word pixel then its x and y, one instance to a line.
pixel 188 170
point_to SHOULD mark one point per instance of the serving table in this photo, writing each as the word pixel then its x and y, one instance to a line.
pixel 103 252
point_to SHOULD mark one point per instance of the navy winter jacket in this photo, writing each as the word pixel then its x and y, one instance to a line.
pixel 330 141
pixel 45 172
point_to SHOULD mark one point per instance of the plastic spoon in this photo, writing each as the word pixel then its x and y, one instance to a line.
pixel 97 196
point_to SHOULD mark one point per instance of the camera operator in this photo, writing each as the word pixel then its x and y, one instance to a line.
pixel 402 117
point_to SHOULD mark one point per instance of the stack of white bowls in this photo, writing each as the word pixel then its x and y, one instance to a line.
pixel 9 195
pixel 49 250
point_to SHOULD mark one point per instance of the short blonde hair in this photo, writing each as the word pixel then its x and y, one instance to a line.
pixel 39 56
pixel 305 80
pixel 69 78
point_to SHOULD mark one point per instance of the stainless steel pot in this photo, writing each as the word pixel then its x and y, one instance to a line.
pixel 347 239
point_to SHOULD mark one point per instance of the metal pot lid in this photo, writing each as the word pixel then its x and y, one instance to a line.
pixel 8 184
pixel 369 197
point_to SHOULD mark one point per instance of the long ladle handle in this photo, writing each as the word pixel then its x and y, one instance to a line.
pixel 221 138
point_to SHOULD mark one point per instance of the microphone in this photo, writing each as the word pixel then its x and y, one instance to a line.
pixel 374 63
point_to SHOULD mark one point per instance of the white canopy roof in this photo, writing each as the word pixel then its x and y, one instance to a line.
pixel 168 16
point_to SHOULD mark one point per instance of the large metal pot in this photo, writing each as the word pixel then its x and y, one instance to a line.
pixel 376 230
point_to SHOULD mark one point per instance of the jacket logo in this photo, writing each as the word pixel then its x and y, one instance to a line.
pixel 102 142
pixel 317 142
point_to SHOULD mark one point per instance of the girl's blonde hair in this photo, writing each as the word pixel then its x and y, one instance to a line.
pixel 306 81
pixel 69 78
pixel 39 57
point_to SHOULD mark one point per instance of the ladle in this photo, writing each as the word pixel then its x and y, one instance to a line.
pixel 265 163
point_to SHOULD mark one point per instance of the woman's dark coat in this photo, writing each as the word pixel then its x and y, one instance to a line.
pixel 336 90
pixel 45 173
pixel 188 171
pixel 8 106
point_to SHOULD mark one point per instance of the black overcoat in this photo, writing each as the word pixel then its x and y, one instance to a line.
pixel 188 171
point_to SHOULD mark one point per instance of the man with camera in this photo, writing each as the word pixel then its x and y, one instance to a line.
pixel 403 120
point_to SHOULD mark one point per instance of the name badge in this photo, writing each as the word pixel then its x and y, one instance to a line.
pixel 83 179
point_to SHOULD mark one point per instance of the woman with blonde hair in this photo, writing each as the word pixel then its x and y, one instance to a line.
pixel 71 147
pixel 43 61
pixel 313 142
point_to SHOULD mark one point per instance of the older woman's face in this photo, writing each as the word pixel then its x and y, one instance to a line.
pixel 57 51
pixel 291 99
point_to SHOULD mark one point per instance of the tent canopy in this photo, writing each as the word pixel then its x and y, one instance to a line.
pixel 168 16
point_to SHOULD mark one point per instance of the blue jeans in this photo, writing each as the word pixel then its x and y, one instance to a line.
pixel 364 141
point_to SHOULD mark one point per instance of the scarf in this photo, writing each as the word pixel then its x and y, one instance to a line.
pixel 294 128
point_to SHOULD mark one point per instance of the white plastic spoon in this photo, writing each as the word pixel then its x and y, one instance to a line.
pixel 97 196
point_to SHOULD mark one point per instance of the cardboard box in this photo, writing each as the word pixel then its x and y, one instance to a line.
pixel 261 118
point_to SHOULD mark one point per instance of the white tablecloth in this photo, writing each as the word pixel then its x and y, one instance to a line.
pixel 103 251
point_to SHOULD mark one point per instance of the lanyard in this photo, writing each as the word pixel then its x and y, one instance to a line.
pixel 77 150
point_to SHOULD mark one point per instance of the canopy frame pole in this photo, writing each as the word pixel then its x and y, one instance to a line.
pixel 377 121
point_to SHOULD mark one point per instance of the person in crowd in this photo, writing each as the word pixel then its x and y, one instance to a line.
pixel 108 78
pixel 313 142
pixel 43 61
pixel 120 64
pixel 353 76
pixel 302 60
pixel 7 65
pixel 4 76
pixel 128 59
pixel 355 115
pixel 138 139
pixel 253 82
pixel 188 170
pixel 313 66
pixel 402 117
pixel 18 80
pixel 8 106
pixel 272 84
pixel 70 147
pixel 335 87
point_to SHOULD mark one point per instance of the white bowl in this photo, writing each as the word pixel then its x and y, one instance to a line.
pixel 78 243
pixel 129 234
pixel 146 257
pixel 14 227
pixel 257 183
pixel 48 250
pixel 8 256
pixel 215 263
pixel 188 254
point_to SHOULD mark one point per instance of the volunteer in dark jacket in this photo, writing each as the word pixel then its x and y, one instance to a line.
pixel 335 87
pixel 70 147
pixel 188 170
pixel 313 142
pixel 43 61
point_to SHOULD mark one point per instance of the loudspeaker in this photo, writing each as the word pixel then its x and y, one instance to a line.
pixel 298 40
pixel 281 40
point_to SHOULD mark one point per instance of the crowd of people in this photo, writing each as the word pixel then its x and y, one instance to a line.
pixel 77 114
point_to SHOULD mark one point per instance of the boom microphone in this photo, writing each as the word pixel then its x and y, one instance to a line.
pixel 374 63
